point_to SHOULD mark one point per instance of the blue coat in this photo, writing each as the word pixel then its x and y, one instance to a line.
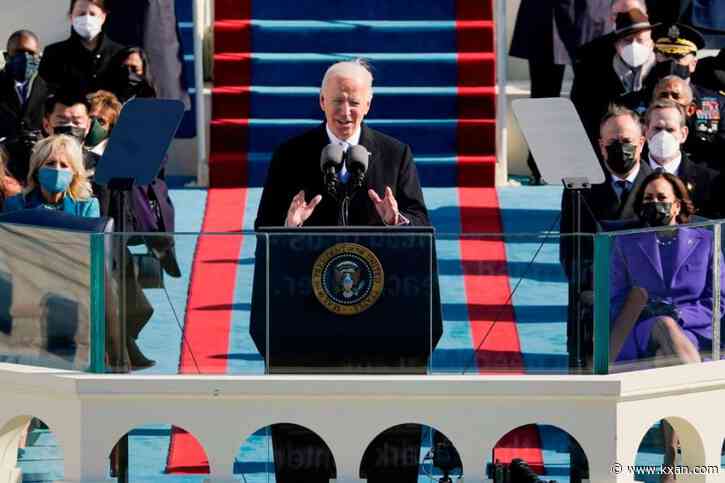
pixel 34 200
pixel 636 262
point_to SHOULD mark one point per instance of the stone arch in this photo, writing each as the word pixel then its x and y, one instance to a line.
pixel 166 449
pixel 396 451
pixel 525 442
pixel 652 444
pixel 295 449
pixel 20 436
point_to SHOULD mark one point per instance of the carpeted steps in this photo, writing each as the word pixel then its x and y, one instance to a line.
pixel 434 68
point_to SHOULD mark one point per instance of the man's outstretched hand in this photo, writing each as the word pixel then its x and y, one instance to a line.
pixel 300 210
pixel 386 207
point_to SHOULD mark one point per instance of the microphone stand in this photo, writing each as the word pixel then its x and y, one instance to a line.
pixel 353 186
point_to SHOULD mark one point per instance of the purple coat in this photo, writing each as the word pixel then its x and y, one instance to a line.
pixel 636 262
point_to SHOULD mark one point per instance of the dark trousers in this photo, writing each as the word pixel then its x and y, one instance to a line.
pixel 546 81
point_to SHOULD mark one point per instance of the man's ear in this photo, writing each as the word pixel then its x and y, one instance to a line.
pixel 685 132
pixel 322 102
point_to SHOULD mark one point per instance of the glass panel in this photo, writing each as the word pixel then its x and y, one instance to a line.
pixel 45 297
pixel 661 297
pixel 506 304
pixel 186 300
pixel 349 302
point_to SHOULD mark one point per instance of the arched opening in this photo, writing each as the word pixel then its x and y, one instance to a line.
pixel 667 444
pixel 546 451
pixel 157 452
pixel 285 452
pixel 407 452
pixel 29 451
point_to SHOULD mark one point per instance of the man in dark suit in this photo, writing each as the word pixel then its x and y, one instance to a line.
pixel 22 94
pixel 666 131
pixel 614 70
pixel 295 195
pixel 548 34
pixel 620 143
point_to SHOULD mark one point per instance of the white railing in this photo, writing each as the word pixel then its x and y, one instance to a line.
pixel 607 415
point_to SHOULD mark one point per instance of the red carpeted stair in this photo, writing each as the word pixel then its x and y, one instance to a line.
pixel 434 64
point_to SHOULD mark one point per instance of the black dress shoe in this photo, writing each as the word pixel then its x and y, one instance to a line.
pixel 136 358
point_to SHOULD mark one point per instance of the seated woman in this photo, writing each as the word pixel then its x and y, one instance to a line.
pixel 57 180
pixel 661 282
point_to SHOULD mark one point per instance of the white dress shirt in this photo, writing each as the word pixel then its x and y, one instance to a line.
pixel 353 140
pixel 672 167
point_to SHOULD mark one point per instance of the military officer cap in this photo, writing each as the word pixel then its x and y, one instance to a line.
pixel 677 40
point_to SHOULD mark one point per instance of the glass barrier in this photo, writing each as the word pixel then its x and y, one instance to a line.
pixel 400 301
pixel 396 301
pixel 509 307
pixel 659 296
pixel 46 308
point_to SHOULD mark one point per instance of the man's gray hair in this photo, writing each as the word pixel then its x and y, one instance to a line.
pixel 615 110
pixel 662 104
pixel 359 68
pixel 686 87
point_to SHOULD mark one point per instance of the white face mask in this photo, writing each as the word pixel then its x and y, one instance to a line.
pixel 635 54
pixel 663 146
pixel 87 26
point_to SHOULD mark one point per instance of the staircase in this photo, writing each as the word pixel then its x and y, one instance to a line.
pixel 434 69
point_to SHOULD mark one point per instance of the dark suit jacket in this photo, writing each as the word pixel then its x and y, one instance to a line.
pixel 705 187
pixel 596 85
pixel 550 31
pixel 600 203
pixel 15 116
pixel 295 166
pixel 668 11
pixel 16 119
pixel 69 66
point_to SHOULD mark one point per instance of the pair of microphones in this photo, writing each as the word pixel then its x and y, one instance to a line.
pixel 333 157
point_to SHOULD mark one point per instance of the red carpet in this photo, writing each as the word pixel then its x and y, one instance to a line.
pixel 211 291
pixel 486 280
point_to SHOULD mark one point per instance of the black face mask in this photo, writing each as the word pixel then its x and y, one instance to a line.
pixel 671 67
pixel 621 157
pixel 70 130
pixel 657 213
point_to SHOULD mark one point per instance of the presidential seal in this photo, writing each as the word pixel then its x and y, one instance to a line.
pixel 347 279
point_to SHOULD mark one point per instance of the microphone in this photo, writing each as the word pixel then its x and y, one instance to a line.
pixel 331 164
pixel 357 160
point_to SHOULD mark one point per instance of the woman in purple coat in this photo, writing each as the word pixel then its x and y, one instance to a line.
pixel 661 282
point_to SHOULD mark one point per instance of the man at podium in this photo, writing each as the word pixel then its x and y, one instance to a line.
pixel 295 193
pixel 342 174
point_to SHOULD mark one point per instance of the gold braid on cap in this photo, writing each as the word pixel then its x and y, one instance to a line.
pixel 674 44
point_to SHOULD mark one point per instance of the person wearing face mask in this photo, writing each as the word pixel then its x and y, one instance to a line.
pixel 666 131
pixel 676 51
pixel 621 142
pixel 661 287
pixel 22 94
pixel 81 62
pixel 57 180
pixel 706 134
pixel 104 112
pixel 130 75
pixel 615 78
